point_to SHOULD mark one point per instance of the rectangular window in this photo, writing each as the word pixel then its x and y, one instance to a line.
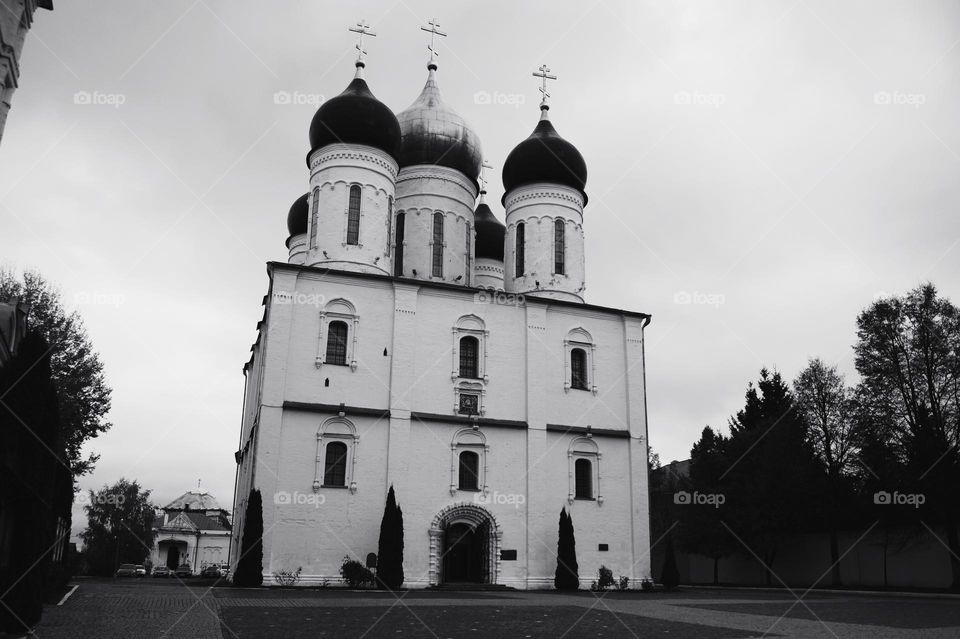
pixel 313 225
pixel 353 216
pixel 438 244
pixel 519 249
pixel 398 251
pixel 559 247
pixel 466 262
pixel 469 404
pixel 336 344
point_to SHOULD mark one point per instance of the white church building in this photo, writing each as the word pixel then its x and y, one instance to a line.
pixel 413 339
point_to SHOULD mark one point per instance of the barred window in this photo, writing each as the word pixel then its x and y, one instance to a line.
pixel 315 212
pixel 469 470
pixel 469 351
pixel 398 251
pixel 335 465
pixel 466 261
pixel 353 216
pixel 559 247
pixel 438 244
pixel 578 368
pixel 337 343
pixel 583 472
pixel 519 251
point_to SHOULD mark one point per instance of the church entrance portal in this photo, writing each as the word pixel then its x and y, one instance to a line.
pixel 464 546
pixel 173 557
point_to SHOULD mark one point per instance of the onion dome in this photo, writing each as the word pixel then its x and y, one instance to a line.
pixel 433 133
pixel 355 117
pixel 490 233
pixel 545 157
pixel 297 217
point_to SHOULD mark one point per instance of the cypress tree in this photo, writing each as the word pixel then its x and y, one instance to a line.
pixel 250 564
pixel 670 575
pixel 390 546
pixel 566 577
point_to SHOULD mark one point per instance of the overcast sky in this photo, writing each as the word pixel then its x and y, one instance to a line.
pixel 776 163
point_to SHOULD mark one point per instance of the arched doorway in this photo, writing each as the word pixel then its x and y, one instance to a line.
pixel 464 546
pixel 176 553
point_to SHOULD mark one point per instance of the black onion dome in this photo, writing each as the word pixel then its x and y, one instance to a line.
pixel 490 233
pixel 355 117
pixel 297 217
pixel 545 157
pixel 431 132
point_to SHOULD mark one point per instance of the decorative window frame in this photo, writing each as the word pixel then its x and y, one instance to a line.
pixel 472 440
pixel 346 218
pixel 473 326
pixel 584 447
pixel 336 429
pixel 343 310
pixel 579 338
pixel 472 387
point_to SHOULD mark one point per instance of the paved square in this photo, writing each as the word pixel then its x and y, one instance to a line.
pixel 147 608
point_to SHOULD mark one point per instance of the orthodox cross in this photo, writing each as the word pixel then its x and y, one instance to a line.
pixel 544 74
pixel 483 175
pixel 434 31
pixel 362 29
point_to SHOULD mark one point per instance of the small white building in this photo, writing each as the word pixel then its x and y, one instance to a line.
pixel 413 339
pixel 192 530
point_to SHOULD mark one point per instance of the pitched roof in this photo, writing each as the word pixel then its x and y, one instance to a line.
pixel 193 500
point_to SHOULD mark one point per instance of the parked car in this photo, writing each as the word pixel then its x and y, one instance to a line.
pixel 126 570
pixel 162 571
pixel 225 570
pixel 183 570
pixel 141 570
pixel 210 571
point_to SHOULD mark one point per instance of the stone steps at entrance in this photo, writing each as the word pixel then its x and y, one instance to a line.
pixel 471 587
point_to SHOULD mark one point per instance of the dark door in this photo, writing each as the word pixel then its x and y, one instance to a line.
pixel 173 557
pixel 463 555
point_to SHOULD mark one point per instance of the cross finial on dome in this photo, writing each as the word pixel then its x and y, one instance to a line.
pixel 483 178
pixel 362 29
pixel 434 31
pixel 544 75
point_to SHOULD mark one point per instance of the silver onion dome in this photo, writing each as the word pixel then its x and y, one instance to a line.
pixel 433 133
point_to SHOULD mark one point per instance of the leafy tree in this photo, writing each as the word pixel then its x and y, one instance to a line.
pixel 908 357
pixel 82 392
pixel 390 546
pixel 772 483
pixel 119 527
pixel 701 529
pixel 567 576
pixel 250 563
pixel 827 406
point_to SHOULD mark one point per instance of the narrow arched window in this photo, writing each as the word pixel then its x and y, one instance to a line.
pixel 468 245
pixel 337 343
pixel 335 465
pixel 353 216
pixel 578 368
pixel 469 356
pixel 469 470
pixel 438 244
pixel 315 216
pixel 559 247
pixel 583 479
pixel 519 248
pixel 398 251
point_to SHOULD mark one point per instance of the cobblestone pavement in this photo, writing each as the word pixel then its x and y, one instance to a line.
pixel 153 608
